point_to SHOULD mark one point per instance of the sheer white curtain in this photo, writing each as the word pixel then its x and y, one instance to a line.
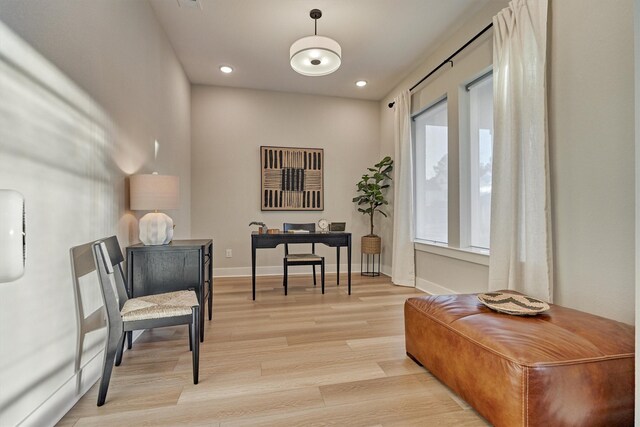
pixel 402 268
pixel 521 251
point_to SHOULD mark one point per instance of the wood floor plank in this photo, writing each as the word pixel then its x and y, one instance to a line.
pixel 317 376
pixel 303 359
pixel 209 412
pixel 456 418
pixel 367 343
pixel 379 388
pixel 402 366
pixel 364 413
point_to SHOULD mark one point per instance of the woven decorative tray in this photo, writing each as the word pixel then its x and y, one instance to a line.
pixel 519 305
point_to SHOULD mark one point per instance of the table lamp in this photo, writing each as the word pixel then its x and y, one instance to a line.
pixel 153 192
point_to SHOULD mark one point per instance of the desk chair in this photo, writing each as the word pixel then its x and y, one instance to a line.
pixel 302 259
pixel 126 314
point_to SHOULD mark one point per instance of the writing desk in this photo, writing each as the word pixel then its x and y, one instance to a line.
pixel 330 238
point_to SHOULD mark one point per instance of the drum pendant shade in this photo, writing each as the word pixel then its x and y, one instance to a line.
pixel 315 55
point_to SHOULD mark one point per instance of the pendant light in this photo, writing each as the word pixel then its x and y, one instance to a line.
pixel 315 55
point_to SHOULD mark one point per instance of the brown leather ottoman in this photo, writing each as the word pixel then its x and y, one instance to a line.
pixel 560 368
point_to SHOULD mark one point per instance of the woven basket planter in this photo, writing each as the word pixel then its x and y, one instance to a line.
pixel 371 244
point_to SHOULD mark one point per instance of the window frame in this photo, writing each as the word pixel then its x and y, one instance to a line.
pixel 466 158
pixel 435 104
pixel 459 219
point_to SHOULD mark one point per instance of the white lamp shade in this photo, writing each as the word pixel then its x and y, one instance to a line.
pixel 153 192
pixel 315 56
pixel 156 228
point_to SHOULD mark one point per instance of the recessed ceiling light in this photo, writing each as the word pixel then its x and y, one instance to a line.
pixel 226 69
pixel 361 83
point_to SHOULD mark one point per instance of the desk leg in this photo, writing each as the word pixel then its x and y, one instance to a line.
pixel 338 267
pixel 349 261
pixel 210 282
pixel 210 302
pixel 201 292
pixel 201 318
pixel 129 293
pixel 253 270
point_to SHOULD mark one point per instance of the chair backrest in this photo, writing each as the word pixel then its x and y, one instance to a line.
pixel 309 226
pixel 105 257
pixel 82 264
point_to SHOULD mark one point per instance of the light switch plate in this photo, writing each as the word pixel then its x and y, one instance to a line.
pixel 12 236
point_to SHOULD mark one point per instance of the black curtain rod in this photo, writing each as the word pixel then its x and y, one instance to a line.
pixel 449 59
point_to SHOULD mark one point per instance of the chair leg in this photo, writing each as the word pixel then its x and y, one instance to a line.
pixel 120 350
pixel 110 348
pixel 322 274
pixel 190 338
pixel 314 274
pixel 194 334
pixel 79 348
pixel 286 274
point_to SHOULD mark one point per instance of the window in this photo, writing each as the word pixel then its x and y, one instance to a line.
pixel 480 158
pixel 462 222
pixel 431 149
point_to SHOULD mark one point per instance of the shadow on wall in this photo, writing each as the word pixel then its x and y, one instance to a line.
pixel 56 149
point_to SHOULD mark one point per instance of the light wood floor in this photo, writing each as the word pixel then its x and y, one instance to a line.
pixel 303 360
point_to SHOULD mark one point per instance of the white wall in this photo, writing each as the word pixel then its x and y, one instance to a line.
pixel 229 126
pixel 591 121
pixel 591 135
pixel 72 127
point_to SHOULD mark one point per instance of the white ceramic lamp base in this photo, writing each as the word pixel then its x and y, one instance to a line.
pixel 156 228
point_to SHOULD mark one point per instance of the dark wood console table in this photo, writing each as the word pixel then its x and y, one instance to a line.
pixel 330 238
pixel 180 265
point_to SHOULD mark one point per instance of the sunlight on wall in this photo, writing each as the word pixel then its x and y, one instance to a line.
pixel 55 148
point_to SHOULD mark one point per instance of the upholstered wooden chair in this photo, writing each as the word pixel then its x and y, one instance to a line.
pixel 302 258
pixel 129 314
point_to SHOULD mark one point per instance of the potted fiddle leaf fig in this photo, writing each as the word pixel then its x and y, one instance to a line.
pixel 371 198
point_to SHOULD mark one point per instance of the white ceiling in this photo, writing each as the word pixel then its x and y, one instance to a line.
pixel 382 40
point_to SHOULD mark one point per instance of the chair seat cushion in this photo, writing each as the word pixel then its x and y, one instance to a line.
pixel 159 306
pixel 303 257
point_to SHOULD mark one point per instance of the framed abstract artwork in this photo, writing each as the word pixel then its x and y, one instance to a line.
pixel 292 179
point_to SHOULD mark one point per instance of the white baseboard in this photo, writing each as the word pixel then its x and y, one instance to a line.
pixel 432 288
pixel 51 411
pixel 59 403
pixel 277 270
pixel 386 270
